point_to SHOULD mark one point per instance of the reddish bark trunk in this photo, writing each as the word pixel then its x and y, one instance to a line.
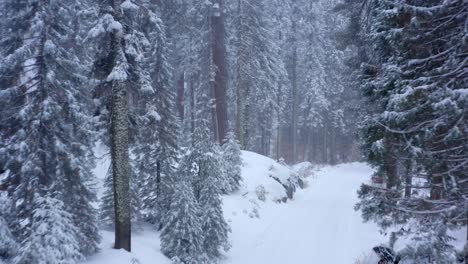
pixel 220 62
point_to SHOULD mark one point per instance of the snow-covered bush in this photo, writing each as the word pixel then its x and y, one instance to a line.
pixel 260 192
pixel 367 258
pixel 304 169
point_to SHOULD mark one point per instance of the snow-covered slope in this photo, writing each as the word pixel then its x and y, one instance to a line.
pixel 258 171
pixel 318 225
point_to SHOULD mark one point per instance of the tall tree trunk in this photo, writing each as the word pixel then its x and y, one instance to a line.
pixel 278 120
pixel 214 115
pixel 192 105
pixel 180 95
pixel 295 113
pixel 325 145
pixel 333 159
pixel 119 149
pixel 240 113
pixel 121 167
pixel 307 145
pixel 391 165
pixel 239 86
pixel 436 185
pixel 220 62
pixel 408 178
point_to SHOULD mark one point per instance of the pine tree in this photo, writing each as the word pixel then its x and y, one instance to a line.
pixel 53 234
pixel 123 75
pixel 414 127
pixel 257 75
pixel 208 180
pixel 49 142
pixel 219 81
pixel 214 226
pixel 182 235
pixel 159 139
pixel 232 163
pixel 8 244
pixel 323 100
pixel 175 17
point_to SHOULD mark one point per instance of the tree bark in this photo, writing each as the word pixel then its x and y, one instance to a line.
pixel 408 178
pixel 391 165
pixel 240 114
pixel 121 167
pixel 192 105
pixel 180 95
pixel 220 63
pixel 119 149
pixel 239 87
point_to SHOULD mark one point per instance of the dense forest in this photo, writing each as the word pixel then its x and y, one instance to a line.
pixel 173 90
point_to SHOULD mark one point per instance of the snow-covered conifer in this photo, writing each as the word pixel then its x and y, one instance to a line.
pixel 125 83
pixel 8 244
pixel 258 71
pixel 232 163
pixel 53 234
pixel 157 143
pixel 208 181
pixel 214 226
pixel 182 234
pixel 47 113
pixel 415 127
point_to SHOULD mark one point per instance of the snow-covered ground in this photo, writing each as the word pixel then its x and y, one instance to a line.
pixel 318 225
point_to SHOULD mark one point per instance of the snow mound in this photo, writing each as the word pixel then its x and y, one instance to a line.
pixel 259 171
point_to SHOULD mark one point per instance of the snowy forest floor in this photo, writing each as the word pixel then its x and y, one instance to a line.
pixel 318 225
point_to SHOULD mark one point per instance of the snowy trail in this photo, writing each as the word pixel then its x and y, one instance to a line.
pixel 319 226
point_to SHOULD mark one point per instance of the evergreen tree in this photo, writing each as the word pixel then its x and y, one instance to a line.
pixel 158 142
pixel 219 80
pixel 416 126
pixel 49 140
pixel 125 83
pixel 258 73
pixel 232 163
pixel 53 234
pixel 8 244
pixel 214 226
pixel 174 14
pixel 182 235
pixel 324 101
pixel 208 181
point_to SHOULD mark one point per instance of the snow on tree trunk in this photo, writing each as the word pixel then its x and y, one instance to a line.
pixel 121 167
